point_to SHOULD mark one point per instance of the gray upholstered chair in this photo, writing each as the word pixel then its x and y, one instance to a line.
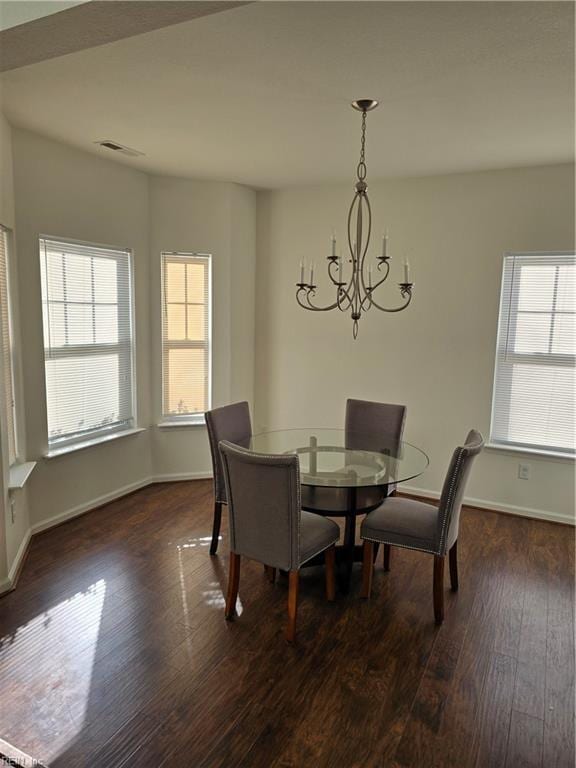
pixel 231 422
pixel 416 525
pixel 375 427
pixel 268 525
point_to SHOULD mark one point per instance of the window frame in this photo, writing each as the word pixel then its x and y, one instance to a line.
pixel 93 436
pixel 507 318
pixel 10 397
pixel 185 419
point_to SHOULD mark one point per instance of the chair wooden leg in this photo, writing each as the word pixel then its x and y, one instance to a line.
pixel 233 582
pixel 270 573
pixel 292 605
pixel 216 528
pixel 387 549
pixel 367 569
pixel 439 589
pixel 330 558
pixel 453 559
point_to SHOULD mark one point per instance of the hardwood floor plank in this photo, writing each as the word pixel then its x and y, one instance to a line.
pixel 525 742
pixel 530 691
pixel 559 709
pixel 495 712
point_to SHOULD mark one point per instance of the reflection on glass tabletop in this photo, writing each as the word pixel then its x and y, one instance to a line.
pixel 341 458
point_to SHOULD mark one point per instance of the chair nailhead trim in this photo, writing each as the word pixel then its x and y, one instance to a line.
pixel 402 546
pixel 447 512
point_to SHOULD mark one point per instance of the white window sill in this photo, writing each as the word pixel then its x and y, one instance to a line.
pixel 89 443
pixel 19 474
pixel 531 452
pixel 198 421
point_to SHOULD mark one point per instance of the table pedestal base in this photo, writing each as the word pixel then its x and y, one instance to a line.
pixel 343 502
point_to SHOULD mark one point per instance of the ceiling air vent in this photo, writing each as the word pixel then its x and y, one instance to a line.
pixel 115 147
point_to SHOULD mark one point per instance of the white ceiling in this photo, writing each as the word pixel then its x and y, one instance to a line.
pixel 15 12
pixel 260 94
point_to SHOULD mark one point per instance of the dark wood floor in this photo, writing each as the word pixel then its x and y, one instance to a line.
pixel 114 651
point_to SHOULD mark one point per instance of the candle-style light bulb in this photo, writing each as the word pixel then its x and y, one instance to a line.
pixel 384 245
pixel 406 272
pixel 333 243
pixel 302 272
pixel 312 273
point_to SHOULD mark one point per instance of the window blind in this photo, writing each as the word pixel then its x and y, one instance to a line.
pixel 88 340
pixel 7 348
pixel 534 382
pixel 186 344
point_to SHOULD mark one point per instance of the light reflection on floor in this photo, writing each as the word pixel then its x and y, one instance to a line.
pixel 214 596
pixel 202 541
pixel 20 652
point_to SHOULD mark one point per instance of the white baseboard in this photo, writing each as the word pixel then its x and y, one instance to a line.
pixel 181 476
pixel 19 555
pixel 7 584
pixel 537 514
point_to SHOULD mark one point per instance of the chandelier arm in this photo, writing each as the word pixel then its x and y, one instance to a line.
pixel 350 211
pixel 382 279
pixel 341 293
pixel 370 293
pixel 330 275
pixel 366 302
pixel 366 299
pixel 310 306
pixel 353 287
pixel 407 292
pixel 299 298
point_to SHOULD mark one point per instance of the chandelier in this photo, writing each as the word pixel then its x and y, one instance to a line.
pixel 355 292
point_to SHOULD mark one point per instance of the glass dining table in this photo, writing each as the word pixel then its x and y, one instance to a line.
pixel 344 474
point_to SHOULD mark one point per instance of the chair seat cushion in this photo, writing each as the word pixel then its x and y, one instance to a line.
pixel 317 533
pixel 403 522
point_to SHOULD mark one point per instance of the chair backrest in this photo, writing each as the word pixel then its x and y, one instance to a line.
pixel 374 426
pixel 263 505
pixel 231 422
pixel 453 490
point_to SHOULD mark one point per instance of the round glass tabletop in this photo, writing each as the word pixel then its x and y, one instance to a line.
pixel 340 458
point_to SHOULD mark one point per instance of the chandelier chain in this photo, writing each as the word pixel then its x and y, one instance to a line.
pixel 361 170
pixel 363 140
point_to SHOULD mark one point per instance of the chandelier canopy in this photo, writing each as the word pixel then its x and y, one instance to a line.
pixel 355 292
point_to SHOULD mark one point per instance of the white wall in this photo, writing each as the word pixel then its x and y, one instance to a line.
pixel 437 356
pixel 220 219
pixel 9 533
pixel 64 192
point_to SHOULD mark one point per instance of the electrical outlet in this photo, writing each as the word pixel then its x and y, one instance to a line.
pixel 524 471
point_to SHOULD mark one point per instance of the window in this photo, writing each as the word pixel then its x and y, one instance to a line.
pixel 534 383
pixel 186 348
pixel 88 342
pixel 7 348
